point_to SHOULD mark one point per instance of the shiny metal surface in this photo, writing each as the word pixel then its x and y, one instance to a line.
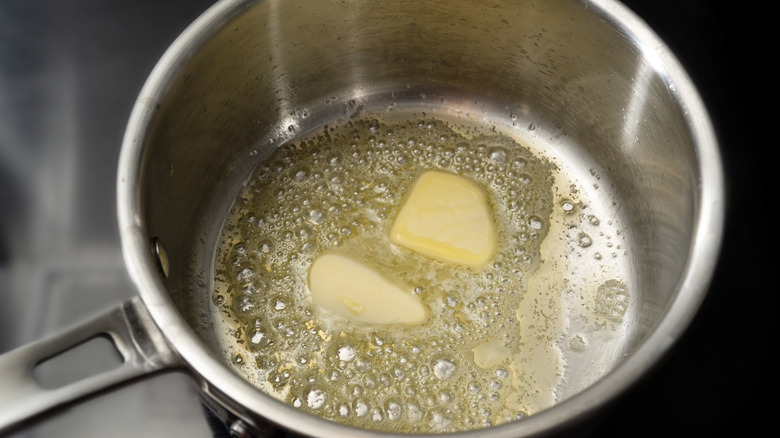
pixel 602 89
pixel 683 385
pixel 130 330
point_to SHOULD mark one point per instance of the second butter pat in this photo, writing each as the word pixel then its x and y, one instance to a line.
pixel 355 291
pixel 446 217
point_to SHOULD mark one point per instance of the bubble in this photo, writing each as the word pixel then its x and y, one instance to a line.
pixel 315 398
pixel 252 287
pixel 245 274
pixel 451 301
pixel 258 338
pixel 577 343
pixel 315 217
pixel 535 222
pixel 438 420
pixel 280 304
pixel 361 407
pixel 245 304
pixel 362 365
pixel 612 299
pixel 497 155
pixel 240 249
pixel 394 410
pixel 369 381
pixel 414 413
pixel 584 240
pixel 443 369
pixel 266 246
pixel 567 206
pixel 301 176
pixel 347 353
pixel 304 233
pixel 279 378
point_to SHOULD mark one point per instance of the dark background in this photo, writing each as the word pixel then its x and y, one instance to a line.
pixel 70 72
pixel 716 380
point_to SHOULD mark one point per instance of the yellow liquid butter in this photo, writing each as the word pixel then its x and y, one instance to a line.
pixel 437 233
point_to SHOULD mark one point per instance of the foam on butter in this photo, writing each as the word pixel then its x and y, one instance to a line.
pixel 355 291
pixel 446 217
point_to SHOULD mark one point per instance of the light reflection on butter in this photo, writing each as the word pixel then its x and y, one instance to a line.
pixel 353 290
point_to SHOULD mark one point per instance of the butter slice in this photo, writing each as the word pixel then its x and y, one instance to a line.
pixel 355 291
pixel 446 217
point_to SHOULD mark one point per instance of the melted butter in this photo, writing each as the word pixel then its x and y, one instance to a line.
pixel 490 354
pixel 541 317
pixel 461 357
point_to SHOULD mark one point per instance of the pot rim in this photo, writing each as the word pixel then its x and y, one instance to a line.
pixel 216 379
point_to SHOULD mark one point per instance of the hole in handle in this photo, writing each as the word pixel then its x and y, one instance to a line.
pixel 91 357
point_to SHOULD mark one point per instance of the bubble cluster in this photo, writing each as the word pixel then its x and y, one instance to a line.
pixel 612 300
pixel 341 188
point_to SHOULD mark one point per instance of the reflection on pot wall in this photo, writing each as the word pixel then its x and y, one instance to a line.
pixel 65 94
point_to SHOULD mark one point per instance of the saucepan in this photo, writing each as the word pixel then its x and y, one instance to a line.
pixel 629 237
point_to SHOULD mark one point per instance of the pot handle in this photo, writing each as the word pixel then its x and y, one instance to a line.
pixel 131 330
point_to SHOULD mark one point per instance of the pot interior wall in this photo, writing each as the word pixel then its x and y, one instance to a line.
pixel 283 68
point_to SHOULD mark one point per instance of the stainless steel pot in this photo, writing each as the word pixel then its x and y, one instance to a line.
pixel 597 86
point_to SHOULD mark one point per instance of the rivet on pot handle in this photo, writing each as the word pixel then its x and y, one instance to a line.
pixel 131 330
